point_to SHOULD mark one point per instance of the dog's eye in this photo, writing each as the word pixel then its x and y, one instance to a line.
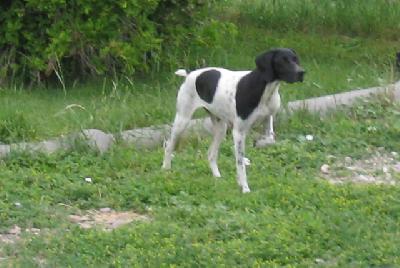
pixel 295 59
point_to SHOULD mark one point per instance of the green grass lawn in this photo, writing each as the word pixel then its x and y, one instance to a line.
pixel 334 64
pixel 292 217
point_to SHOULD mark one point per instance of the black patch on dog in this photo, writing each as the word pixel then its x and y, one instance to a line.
pixel 249 92
pixel 206 84
pixel 251 86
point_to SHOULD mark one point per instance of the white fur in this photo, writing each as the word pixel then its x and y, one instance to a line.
pixel 223 113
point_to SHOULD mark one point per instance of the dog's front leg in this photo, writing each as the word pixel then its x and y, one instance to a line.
pixel 239 142
pixel 270 132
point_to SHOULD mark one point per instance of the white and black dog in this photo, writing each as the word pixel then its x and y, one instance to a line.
pixel 237 98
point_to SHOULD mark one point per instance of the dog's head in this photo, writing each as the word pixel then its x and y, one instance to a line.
pixel 281 64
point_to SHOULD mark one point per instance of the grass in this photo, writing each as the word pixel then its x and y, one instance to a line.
pixel 356 18
pixel 338 64
pixel 291 218
pixel 44 113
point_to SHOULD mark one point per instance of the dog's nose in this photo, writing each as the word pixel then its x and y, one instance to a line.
pixel 300 75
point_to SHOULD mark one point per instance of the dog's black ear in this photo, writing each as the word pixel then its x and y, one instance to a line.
pixel 264 63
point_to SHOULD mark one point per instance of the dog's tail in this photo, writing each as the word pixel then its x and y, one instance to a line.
pixel 181 72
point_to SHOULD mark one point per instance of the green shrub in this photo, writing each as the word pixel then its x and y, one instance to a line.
pixel 81 38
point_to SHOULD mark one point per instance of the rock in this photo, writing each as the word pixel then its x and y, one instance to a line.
pixel 348 160
pixel 246 161
pixel 325 169
pixel 77 218
pixel 105 210
pixel 264 141
pixel 15 230
pixel 98 139
pixel 365 178
pixel 396 167
pixel 4 150
pixel 35 231
pixel 325 103
pixel 351 168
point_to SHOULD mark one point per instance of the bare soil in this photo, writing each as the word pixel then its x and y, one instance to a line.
pixel 106 218
pixel 377 167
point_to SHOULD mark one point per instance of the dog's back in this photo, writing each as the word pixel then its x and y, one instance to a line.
pixel 212 88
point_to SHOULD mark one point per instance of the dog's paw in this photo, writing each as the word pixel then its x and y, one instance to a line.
pixel 245 189
pixel 264 141
pixel 166 166
pixel 216 174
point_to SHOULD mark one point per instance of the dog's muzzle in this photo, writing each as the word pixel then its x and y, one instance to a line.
pixel 300 75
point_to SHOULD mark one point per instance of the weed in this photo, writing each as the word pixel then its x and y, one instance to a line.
pixel 16 127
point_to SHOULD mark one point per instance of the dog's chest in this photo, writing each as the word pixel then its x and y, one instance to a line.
pixel 270 99
pixel 269 103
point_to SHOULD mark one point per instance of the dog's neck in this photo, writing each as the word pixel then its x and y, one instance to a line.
pixel 269 84
pixel 251 90
pixel 262 81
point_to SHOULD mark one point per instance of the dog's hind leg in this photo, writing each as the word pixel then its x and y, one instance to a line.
pixel 269 137
pixel 179 125
pixel 219 131
pixel 185 107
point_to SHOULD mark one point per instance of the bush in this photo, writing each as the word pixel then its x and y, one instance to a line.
pixel 42 39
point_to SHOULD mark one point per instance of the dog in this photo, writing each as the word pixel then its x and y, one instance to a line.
pixel 236 98
pixel 398 62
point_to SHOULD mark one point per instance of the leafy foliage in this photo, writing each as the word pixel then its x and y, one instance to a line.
pixel 57 38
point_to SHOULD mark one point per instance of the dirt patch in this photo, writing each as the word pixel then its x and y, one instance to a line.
pixel 106 218
pixel 377 167
pixel 14 234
